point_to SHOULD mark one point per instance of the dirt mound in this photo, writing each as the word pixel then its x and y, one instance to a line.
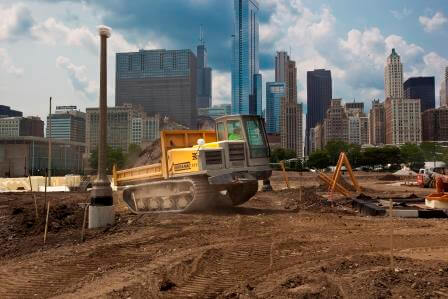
pixel 389 177
pixel 19 217
pixel 150 154
pixel 308 199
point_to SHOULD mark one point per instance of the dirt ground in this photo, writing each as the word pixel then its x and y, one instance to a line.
pixel 280 244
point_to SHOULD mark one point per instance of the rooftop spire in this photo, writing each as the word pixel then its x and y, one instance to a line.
pixel 201 35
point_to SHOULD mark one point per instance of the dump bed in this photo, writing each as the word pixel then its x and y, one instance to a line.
pixel 169 140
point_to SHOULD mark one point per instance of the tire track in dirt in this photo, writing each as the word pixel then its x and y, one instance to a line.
pixel 45 277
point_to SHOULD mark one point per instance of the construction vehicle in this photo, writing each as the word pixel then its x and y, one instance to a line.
pixel 332 182
pixel 201 169
pixel 426 177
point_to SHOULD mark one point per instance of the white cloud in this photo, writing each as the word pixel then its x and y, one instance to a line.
pixel 221 86
pixel 52 32
pixel 15 21
pixel 433 23
pixel 294 25
pixel 401 14
pixel 7 64
pixel 78 78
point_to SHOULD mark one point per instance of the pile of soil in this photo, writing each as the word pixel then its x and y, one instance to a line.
pixel 307 199
pixel 153 152
pixel 19 217
pixel 150 155
pixel 389 177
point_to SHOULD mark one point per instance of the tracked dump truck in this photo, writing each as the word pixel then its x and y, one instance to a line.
pixel 201 169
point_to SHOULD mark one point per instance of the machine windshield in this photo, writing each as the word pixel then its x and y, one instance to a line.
pixel 257 142
pixel 234 130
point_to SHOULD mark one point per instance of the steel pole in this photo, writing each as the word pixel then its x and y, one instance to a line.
pixel 101 211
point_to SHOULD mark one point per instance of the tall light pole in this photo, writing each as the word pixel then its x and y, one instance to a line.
pixel 49 147
pixel 101 210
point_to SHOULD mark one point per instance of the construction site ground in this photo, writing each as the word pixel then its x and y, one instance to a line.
pixel 280 244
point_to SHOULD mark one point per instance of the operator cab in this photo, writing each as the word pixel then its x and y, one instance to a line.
pixel 248 128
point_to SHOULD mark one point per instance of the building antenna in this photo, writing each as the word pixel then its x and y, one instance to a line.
pixel 201 35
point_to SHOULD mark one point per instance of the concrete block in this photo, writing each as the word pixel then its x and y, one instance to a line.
pixel 54 189
pixel 404 213
pixel 437 204
pixel 101 216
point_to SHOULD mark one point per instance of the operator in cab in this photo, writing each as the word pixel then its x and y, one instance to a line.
pixel 236 134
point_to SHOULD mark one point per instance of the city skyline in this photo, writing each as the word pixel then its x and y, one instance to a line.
pixel 60 34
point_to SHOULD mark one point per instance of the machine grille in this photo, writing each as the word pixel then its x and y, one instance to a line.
pixel 213 157
pixel 236 151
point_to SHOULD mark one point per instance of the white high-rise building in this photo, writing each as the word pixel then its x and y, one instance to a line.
pixel 403 121
pixel 444 90
pixel 393 77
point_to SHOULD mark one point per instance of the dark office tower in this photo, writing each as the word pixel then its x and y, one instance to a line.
pixel 422 88
pixel 162 82
pixel 319 95
pixel 204 77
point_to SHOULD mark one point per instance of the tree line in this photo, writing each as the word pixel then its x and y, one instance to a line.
pixel 412 155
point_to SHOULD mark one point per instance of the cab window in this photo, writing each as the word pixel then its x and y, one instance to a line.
pixel 255 135
pixel 221 131
pixel 234 131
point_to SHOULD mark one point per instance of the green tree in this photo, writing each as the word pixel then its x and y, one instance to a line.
pixel 390 155
pixel 354 155
pixel 432 151
pixel 412 155
pixel 114 157
pixel 280 154
pixel 334 148
pixel 319 160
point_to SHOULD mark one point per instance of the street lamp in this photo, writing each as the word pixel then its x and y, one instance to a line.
pixel 101 209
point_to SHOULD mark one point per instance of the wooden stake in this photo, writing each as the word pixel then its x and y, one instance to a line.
pixel 46 222
pixel 391 235
pixel 45 191
pixel 285 176
pixel 83 230
pixel 31 185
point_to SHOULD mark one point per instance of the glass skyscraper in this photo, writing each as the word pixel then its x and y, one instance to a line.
pixel 275 93
pixel 246 80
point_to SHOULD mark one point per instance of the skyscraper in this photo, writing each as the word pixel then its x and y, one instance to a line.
pixel 204 76
pixel 290 112
pixel 162 82
pixel 444 90
pixel 275 95
pixel 377 123
pixel 421 88
pixel 246 80
pixel 393 76
pixel 319 95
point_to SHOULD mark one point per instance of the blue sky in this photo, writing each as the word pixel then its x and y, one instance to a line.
pixel 50 48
